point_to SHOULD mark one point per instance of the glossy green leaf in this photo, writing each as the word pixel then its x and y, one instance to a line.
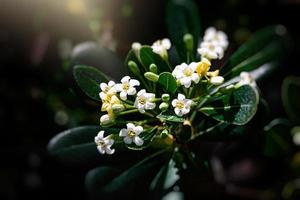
pixel 89 79
pixel 170 117
pixel 93 54
pixel 268 45
pixel 168 82
pixel 148 57
pixel 182 17
pixel 134 180
pixel 291 96
pixel 76 146
pixel 237 107
pixel 278 140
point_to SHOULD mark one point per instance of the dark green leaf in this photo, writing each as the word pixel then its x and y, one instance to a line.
pixel 182 17
pixel 148 57
pixel 134 180
pixel 76 146
pixel 266 46
pixel 168 82
pixel 278 140
pixel 93 54
pixel 170 117
pixel 291 96
pixel 89 79
pixel 237 107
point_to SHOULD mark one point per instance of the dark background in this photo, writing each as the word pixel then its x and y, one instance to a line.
pixel 36 101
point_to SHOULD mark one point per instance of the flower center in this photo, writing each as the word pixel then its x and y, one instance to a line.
pixel 180 104
pixel 131 134
pixel 101 143
pixel 142 100
pixel 125 86
pixel 187 72
pixel 202 68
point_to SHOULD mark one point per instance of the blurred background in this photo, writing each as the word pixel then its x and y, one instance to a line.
pixel 38 95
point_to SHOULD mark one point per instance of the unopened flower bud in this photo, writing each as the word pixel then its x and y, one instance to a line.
pixel 151 76
pixel 134 68
pixel 106 119
pixel 117 108
pixel 164 134
pixel 165 97
pixel 153 68
pixel 136 46
pixel 189 41
pixel 217 80
pixel 163 106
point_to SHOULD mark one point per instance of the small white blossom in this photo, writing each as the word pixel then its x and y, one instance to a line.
pixel 182 105
pixel 216 80
pixel 246 79
pixel 144 100
pixel 211 50
pixel 127 87
pixel 108 101
pixel 107 89
pixel 211 34
pixel 131 134
pixel 161 47
pixel 104 144
pixel 185 74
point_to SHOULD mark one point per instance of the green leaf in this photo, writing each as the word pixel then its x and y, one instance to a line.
pixel 134 180
pixel 268 45
pixel 237 107
pixel 148 57
pixel 93 54
pixel 170 117
pixel 165 179
pixel 89 79
pixel 182 17
pixel 168 82
pixel 76 146
pixel 278 140
pixel 290 97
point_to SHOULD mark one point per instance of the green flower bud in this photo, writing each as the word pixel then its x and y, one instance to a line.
pixel 163 106
pixel 134 68
pixel 151 76
pixel 153 68
pixel 164 134
pixel 117 108
pixel 189 41
pixel 165 97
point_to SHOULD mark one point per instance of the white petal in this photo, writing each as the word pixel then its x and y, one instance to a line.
pixel 195 77
pixel 138 141
pixel 134 82
pixel 174 102
pixel 123 95
pixel 178 112
pixel 118 87
pixel 141 92
pixel 180 97
pixel 150 106
pixel 109 151
pixel 111 83
pixel 123 132
pixel 103 86
pixel 102 95
pixel 217 80
pixel 185 110
pixel 100 134
pixel 193 66
pixel 142 109
pixel 108 141
pixel 125 79
pixel 138 130
pixel 128 140
pixel 101 149
pixel 131 91
pixel 186 81
pixel 166 43
pixel 130 126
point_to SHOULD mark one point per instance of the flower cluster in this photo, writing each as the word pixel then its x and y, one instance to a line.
pixel 142 109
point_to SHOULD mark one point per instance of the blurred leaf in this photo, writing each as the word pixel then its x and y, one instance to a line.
pixel 291 96
pixel 237 107
pixel 168 82
pixel 148 57
pixel 170 117
pixel 89 79
pixel 268 45
pixel 93 54
pixel 76 146
pixel 133 182
pixel 278 140
pixel 182 17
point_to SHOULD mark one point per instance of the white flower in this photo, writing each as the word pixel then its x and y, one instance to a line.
pixel 136 46
pixel 211 34
pixel 182 105
pixel 108 101
pixel 127 87
pixel 144 100
pixel 246 79
pixel 107 89
pixel 186 74
pixel 104 144
pixel 131 134
pixel 216 80
pixel 161 46
pixel 211 50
